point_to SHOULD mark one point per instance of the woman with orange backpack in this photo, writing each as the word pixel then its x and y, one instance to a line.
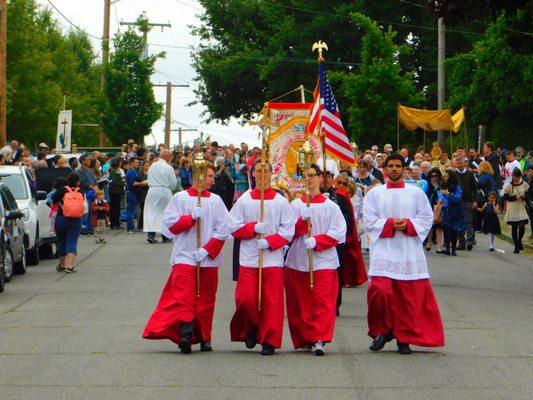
pixel 68 221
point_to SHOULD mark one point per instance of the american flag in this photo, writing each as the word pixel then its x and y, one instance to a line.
pixel 325 113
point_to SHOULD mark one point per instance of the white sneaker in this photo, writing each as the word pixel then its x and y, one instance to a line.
pixel 318 349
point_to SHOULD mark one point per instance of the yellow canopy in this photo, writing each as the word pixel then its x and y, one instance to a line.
pixel 430 120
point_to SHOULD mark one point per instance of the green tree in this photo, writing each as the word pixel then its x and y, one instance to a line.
pixel 130 108
pixel 43 64
pixel 372 93
pixel 495 81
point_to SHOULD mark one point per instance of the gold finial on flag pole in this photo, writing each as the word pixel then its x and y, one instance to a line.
pixel 320 46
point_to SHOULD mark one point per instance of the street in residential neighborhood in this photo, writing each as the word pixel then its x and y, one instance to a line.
pixel 78 336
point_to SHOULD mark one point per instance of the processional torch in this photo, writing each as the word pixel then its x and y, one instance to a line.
pixel 305 157
pixel 199 170
pixel 264 123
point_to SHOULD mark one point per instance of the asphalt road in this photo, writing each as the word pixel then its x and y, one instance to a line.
pixel 79 336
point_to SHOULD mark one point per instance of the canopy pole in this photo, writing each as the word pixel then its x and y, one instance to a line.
pixel 451 144
pixel 466 132
pixel 424 140
pixel 398 130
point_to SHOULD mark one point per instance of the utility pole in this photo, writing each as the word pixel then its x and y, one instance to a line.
pixel 168 109
pixel 441 80
pixel 145 26
pixel 105 61
pixel 180 134
pixel 3 61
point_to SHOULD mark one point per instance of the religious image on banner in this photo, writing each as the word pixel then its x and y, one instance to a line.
pixel 64 131
pixel 285 140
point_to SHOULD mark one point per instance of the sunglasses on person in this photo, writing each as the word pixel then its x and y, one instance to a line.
pixel 434 176
pixel 342 183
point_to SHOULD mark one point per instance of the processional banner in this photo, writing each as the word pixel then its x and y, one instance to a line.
pixel 285 140
pixel 64 131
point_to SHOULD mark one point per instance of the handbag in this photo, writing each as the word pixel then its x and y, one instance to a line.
pixel 123 215
pixel 437 213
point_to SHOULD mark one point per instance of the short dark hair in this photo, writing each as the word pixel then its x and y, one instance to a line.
pixel 517 173
pixel 258 161
pixel 72 179
pixel 394 156
pixel 316 168
pixel 490 145
pixel 41 155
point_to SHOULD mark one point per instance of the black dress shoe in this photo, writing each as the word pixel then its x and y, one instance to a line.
pixel 251 339
pixel 206 346
pixel 380 341
pixel 469 247
pixel 403 348
pixel 516 251
pixel 461 248
pixel 268 350
pixel 520 246
pixel 185 343
pixel 166 240
pixel 152 241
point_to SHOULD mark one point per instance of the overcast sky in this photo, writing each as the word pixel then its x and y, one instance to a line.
pixel 176 68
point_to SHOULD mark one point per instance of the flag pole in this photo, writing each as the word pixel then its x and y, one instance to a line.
pixel 320 46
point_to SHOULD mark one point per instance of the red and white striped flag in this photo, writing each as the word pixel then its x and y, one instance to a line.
pixel 325 113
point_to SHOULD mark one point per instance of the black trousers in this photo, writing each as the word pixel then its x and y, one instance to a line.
pixel 114 212
pixel 517 231
pixel 450 238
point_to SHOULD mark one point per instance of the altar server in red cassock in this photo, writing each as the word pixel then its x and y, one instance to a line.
pixel 401 303
pixel 180 315
pixel 311 312
pixel 248 324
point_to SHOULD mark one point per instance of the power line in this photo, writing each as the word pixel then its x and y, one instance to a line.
pixel 377 20
pixel 188 5
pixel 414 4
pixel 72 23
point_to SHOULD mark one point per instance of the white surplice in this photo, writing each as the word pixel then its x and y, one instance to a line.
pixel 214 224
pixel 326 219
pixel 400 257
pixel 161 182
pixel 279 219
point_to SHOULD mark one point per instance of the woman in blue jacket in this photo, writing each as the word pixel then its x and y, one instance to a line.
pixel 453 220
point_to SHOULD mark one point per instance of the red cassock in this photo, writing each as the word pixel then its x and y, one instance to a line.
pixel 408 309
pixel 178 304
pixel 269 321
pixel 354 272
pixel 311 312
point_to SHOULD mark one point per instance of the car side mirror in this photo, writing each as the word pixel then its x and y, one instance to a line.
pixel 40 195
pixel 10 215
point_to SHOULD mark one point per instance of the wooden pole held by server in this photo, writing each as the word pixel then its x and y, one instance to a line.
pixel 305 155
pixel 264 123
pixel 199 170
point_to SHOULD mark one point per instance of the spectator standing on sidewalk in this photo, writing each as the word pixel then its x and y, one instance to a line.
pixel 515 213
pixel 88 184
pixel 67 227
pixel 100 210
pixel 131 197
pixel 467 180
pixel 141 192
pixel 116 191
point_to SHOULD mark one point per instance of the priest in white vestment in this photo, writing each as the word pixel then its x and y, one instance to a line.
pixel 161 182
pixel 401 303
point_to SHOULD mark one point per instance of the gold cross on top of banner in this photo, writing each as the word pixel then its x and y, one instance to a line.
pixel 320 46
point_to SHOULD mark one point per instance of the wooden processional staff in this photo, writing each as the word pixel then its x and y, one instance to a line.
pixel 264 123
pixel 199 170
pixel 305 157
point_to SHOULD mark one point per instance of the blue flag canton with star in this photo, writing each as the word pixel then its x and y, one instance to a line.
pixel 326 92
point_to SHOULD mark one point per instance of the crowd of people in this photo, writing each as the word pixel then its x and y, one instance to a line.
pixel 467 191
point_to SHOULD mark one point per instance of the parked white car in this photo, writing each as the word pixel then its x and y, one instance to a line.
pixel 33 206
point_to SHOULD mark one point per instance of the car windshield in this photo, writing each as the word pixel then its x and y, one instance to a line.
pixel 16 184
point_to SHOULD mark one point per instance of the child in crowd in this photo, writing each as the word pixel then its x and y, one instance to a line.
pixel 491 223
pixel 100 210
